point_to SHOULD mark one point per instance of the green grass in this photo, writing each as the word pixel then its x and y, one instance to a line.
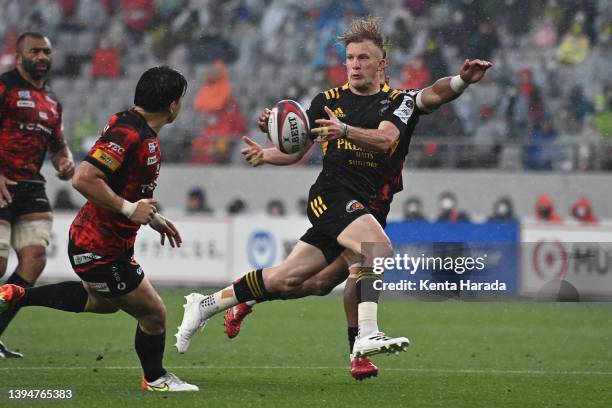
pixel 294 353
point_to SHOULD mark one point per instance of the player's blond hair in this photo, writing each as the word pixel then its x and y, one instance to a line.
pixel 364 29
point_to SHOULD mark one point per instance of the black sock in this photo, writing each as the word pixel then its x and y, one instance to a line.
pixel 150 350
pixel 352 335
pixel 68 296
pixel 251 287
pixel 366 285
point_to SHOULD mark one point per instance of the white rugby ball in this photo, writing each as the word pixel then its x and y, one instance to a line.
pixel 288 126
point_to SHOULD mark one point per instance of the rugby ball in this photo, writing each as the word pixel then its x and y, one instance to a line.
pixel 288 126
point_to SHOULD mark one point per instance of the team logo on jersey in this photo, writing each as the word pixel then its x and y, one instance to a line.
pixel 404 111
pixel 43 115
pixel 25 104
pixel 152 147
pixel 106 159
pixel 353 206
pixel 151 160
pixel 339 113
pixel 51 100
pixel 24 94
pixel 116 148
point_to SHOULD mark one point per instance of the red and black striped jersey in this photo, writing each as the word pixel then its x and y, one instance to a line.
pixel 128 153
pixel 30 124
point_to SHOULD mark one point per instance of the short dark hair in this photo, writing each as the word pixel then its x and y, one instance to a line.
pixel 158 87
pixel 28 34
pixel 365 29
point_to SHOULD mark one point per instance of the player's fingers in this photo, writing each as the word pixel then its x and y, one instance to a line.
pixel 330 113
pixel 248 141
pixel 5 195
pixel 10 182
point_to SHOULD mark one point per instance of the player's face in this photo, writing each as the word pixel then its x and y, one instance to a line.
pixel 364 63
pixel 35 57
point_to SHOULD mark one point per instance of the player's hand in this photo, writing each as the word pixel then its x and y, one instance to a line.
pixel 262 121
pixel 253 152
pixel 5 195
pixel 65 168
pixel 166 228
pixel 328 129
pixel 145 210
pixel 474 70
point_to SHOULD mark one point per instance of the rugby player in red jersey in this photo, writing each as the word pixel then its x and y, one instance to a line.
pixel 118 178
pixel 30 125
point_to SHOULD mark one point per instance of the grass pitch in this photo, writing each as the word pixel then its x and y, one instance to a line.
pixel 294 353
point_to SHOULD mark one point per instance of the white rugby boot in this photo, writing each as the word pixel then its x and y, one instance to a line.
pixel 194 318
pixel 167 383
pixel 379 343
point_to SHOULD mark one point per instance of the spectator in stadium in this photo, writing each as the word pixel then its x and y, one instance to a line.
pixel 215 143
pixel 63 200
pixel 545 210
pixel 105 61
pixel 582 211
pixel 541 152
pixel 302 205
pixel 137 15
pixel 237 206
pixel 413 210
pixel 197 202
pixel 578 105
pixel 216 90
pixel 574 46
pixel 415 74
pixel 503 211
pixel 275 208
pixel 449 211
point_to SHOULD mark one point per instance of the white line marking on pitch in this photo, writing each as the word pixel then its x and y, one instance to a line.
pixel 414 370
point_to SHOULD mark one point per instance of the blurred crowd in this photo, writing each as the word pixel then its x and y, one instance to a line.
pixel 546 104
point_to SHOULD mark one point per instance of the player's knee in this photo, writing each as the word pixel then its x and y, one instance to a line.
pixel 383 248
pixel 319 287
pixel 33 259
pixel 155 321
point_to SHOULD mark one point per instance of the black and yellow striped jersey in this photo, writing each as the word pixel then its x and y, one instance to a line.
pixel 347 165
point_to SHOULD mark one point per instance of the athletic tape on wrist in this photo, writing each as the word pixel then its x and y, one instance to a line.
pixel 457 84
pixel 128 208
pixel 158 221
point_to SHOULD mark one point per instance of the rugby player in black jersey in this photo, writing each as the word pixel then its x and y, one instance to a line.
pixel 357 151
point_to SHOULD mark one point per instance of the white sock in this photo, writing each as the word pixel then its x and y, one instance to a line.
pixel 219 301
pixel 368 318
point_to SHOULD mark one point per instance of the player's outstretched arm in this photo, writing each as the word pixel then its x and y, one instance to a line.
pixel 256 155
pixel 92 183
pixel 380 139
pixel 447 89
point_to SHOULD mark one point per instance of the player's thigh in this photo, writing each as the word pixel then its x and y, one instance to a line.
pixel 304 261
pixel 97 303
pixel 365 229
pixel 141 302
